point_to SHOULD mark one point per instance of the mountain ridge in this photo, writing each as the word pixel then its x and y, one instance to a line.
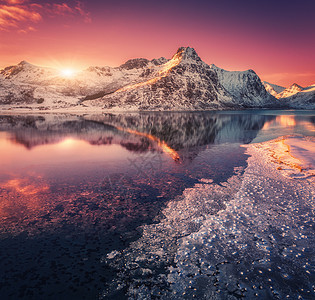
pixel 294 95
pixel 184 82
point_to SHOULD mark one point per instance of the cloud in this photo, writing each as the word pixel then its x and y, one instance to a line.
pixel 61 9
pixel 64 9
pixel 86 15
pixel 15 1
pixel 27 29
pixel 23 15
pixel 12 16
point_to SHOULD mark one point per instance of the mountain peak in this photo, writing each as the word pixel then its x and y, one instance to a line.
pixel 135 63
pixel 295 85
pixel 186 53
pixel 23 63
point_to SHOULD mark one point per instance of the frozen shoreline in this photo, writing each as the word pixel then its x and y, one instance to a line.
pixel 248 237
pixel 293 155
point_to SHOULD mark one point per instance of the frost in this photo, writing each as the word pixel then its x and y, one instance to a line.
pixel 248 237
pixel 112 254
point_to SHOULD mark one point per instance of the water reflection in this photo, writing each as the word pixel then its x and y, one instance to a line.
pixel 82 185
pixel 146 130
pixel 119 157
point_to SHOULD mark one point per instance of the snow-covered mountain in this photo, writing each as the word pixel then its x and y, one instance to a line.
pixel 294 96
pixel 187 83
pixel 245 87
pixel 290 91
pixel 305 98
pixel 273 89
pixel 47 88
pixel 183 82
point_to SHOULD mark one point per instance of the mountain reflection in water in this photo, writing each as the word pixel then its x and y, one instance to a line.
pixel 136 132
pixel 73 157
pixel 82 185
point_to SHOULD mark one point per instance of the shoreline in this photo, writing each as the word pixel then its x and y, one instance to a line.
pixel 292 154
pixel 107 111
pixel 241 237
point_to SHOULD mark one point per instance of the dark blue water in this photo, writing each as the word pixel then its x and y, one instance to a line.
pixel 74 188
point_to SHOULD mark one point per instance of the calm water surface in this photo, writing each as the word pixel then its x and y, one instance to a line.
pixel 74 188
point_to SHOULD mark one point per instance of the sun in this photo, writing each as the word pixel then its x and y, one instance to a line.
pixel 67 73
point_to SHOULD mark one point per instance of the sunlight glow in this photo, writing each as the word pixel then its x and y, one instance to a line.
pixel 67 73
pixel 67 143
pixel 285 121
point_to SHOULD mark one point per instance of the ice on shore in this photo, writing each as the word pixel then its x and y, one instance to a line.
pixel 293 155
pixel 250 237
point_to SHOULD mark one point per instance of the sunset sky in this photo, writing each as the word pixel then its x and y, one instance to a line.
pixel 274 38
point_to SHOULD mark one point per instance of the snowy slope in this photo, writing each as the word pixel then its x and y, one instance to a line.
pixel 187 83
pixel 245 87
pixel 273 89
pixel 302 99
pixel 295 96
pixel 33 85
pixel 184 82
pixel 290 91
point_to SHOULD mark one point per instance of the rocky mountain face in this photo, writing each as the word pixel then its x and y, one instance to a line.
pixel 183 82
pixel 187 83
pixel 294 96
pixel 245 87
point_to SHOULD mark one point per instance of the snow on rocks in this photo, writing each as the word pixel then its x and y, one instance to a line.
pixel 294 96
pixel 184 82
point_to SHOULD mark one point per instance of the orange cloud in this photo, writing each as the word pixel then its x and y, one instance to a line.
pixel 12 16
pixel 26 30
pixel 64 9
pixel 15 1
pixel 22 15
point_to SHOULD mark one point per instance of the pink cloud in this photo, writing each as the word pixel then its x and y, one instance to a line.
pixel 64 9
pixel 15 1
pixel 61 9
pixel 26 30
pixel 22 15
pixel 12 16
pixel 86 15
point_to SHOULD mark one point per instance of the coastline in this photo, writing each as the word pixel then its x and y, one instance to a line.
pixel 83 111
pixel 293 155
pixel 248 237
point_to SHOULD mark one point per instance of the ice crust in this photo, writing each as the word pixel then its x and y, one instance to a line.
pixel 250 237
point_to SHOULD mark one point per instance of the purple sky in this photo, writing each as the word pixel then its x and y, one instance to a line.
pixel 275 38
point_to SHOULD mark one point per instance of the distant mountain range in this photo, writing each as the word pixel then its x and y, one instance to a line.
pixel 294 96
pixel 183 82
